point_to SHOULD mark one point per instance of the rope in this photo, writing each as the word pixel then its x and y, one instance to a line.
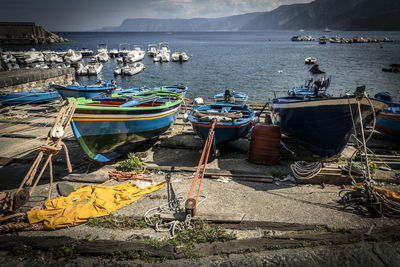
pixel 120 176
pixel 305 170
pixel 203 160
pixel 55 135
pixel 20 226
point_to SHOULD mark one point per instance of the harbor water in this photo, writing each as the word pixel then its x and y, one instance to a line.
pixel 257 62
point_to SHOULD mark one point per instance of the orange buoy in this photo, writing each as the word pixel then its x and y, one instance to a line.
pixel 265 144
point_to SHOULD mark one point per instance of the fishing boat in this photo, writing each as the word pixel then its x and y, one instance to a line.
pixel 28 97
pixel 310 60
pixel 180 56
pixel 234 119
pixel 86 91
pixel 178 89
pixel 312 88
pixel 321 125
pixel 110 127
pixel 388 121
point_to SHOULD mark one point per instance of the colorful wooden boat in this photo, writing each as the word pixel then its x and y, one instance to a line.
pixel 234 120
pixel 321 125
pixel 87 91
pixel 388 121
pixel 312 88
pixel 109 128
pixel 28 97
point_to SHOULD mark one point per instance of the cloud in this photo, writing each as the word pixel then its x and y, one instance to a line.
pixel 87 15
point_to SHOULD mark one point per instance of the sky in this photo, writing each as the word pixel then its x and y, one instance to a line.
pixel 85 15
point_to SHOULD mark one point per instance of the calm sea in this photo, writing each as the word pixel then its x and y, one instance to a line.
pixel 257 63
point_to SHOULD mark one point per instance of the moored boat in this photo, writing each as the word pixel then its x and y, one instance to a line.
pixel 234 120
pixel 321 125
pixel 388 121
pixel 28 97
pixel 310 60
pixel 180 56
pixel 86 91
pixel 110 127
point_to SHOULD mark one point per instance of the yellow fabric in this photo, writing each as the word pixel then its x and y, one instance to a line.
pixel 393 195
pixel 86 202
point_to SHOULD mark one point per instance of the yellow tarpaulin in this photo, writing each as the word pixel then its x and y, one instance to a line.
pixel 87 202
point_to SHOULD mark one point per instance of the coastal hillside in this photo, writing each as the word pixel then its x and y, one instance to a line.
pixel 319 14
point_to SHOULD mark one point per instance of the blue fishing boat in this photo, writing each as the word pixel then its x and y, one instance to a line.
pixel 86 91
pixel 388 121
pixel 110 127
pixel 234 120
pixel 28 97
pixel 321 125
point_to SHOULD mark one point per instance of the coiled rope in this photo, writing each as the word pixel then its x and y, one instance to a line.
pixel 305 170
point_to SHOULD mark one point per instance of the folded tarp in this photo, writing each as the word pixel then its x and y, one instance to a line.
pixel 87 202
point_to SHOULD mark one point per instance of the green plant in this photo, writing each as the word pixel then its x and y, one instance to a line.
pixel 277 173
pixel 113 237
pixel 132 163
pixel 120 222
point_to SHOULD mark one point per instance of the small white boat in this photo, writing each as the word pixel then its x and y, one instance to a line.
pixel 124 49
pixel 79 69
pixel 180 56
pixel 163 53
pixel 310 60
pixel 93 68
pixel 102 48
pixel 134 56
pixel 53 58
pixel 308 38
pixel 8 58
pixel 102 56
pixel 118 71
pixel 133 69
pixel 72 56
pixel 86 52
pixel 40 66
pixel 120 60
pixel 152 50
pixel 113 52
pixel 32 56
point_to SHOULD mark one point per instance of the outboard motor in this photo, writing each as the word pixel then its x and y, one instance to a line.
pixel 180 58
pixel 228 95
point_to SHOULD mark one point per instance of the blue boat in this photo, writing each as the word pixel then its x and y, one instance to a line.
pixel 86 91
pixel 28 97
pixel 312 88
pixel 388 121
pixel 111 127
pixel 321 125
pixel 234 120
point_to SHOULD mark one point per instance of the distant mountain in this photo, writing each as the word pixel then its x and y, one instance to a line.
pixel 320 14
pixel 231 23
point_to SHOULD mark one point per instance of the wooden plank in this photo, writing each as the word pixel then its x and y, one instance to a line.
pixel 5 161
pixel 85 178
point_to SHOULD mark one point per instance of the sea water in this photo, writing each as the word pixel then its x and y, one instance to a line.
pixel 259 63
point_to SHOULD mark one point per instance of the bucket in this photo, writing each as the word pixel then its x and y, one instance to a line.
pixel 265 144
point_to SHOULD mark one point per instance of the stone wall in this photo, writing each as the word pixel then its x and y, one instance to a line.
pixel 34 79
pixel 24 33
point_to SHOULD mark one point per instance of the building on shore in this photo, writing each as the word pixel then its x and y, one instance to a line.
pixel 26 33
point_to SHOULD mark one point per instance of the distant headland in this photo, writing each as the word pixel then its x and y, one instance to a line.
pixel 347 15
pixel 27 33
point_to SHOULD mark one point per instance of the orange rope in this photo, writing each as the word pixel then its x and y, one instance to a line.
pixel 63 119
pixel 124 176
pixel 203 160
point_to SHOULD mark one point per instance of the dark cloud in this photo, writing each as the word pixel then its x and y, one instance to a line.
pixel 81 15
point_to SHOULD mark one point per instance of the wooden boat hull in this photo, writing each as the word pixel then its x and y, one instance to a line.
pixel 323 126
pixel 106 133
pixel 389 123
pixel 28 97
pixel 224 131
pixel 76 91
